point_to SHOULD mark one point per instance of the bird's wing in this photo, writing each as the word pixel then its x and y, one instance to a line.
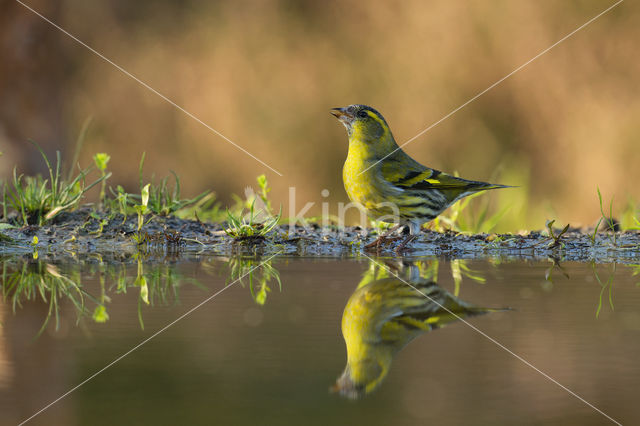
pixel 434 309
pixel 410 175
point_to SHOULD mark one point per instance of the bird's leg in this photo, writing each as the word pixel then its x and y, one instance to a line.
pixel 403 244
pixel 414 230
pixel 382 239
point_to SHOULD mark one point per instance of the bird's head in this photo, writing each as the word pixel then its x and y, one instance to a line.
pixel 365 124
pixel 360 379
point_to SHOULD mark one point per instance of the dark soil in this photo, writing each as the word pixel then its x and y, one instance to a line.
pixel 77 234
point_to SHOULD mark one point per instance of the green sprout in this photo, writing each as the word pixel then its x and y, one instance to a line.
pixel 119 201
pixel 101 160
pixel 556 237
pixel 264 191
pixel 611 224
pixel 141 208
pixel 101 223
pixel 250 227
pixel 163 200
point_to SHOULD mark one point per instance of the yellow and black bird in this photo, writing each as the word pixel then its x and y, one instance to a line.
pixel 388 184
pixel 382 316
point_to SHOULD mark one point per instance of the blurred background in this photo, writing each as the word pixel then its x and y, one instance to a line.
pixel 266 73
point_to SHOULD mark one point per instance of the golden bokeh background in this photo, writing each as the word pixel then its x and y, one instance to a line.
pixel 266 73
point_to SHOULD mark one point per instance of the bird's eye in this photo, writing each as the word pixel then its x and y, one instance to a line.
pixel 362 114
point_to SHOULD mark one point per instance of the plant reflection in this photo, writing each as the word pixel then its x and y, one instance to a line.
pixel 258 272
pixel 384 314
pixel 606 286
pixel 30 280
pixel 26 280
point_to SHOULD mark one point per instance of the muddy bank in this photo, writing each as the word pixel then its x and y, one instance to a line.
pixel 80 234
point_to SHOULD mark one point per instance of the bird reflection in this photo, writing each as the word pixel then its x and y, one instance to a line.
pixel 384 314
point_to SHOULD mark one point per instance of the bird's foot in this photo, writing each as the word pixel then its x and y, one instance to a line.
pixel 403 245
pixel 382 240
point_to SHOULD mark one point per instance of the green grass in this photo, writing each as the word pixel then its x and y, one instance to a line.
pixel 608 220
pixel 164 199
pixel 38 200
pixel 35 200
pixel 257 223
pixel 101 160
pixel 556 238
pixel 250 226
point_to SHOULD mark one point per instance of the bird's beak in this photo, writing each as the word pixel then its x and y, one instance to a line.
pixel 342 115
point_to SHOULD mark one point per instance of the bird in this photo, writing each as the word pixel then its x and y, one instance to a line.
pixel 389 185
pixel 383 315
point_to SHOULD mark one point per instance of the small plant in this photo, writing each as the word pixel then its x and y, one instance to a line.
pixel 141 208
pixel 264 191
pixel 611 223
pixel 592 236
pixel 38 200
pixel 120 201
pixel 102 222
pixel 164 200
pixel 250 227
pixel 141 237
pixel 101 160
pixel 556 237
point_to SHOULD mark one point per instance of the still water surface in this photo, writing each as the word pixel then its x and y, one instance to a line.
pixel 273 348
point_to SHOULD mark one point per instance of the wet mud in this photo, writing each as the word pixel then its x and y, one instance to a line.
pixel 81 234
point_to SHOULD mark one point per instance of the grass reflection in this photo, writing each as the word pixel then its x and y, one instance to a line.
pixel 384 314
pixel 605 287
pixel 29 280
pixel 257 272
pixel 157 283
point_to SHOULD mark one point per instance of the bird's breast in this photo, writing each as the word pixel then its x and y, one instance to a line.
pixel 365 186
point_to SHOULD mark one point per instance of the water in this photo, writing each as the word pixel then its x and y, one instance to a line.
pixel 271 356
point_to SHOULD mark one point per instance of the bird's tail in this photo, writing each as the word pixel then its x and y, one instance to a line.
pixel 480 311
pixel 483 186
